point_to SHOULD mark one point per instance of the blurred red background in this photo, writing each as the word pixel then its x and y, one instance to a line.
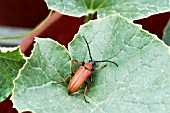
pixel 30 13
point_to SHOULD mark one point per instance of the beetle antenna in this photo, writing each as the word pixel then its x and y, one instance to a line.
pixel 88 47
pixel 107 61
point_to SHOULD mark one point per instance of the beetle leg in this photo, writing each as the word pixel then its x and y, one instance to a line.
pixel 100 67
pixel 71 70
pixel 76 62
pixel 85 91
pixel 69 76
pixel 90 79
pixel 64 79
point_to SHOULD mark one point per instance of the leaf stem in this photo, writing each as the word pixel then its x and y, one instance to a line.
pixel 28 33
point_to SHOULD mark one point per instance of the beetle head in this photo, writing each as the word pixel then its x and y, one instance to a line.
pixel 92 62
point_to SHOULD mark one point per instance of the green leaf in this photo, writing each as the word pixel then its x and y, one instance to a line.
pixel 48 63
pixel 166 35
pixel 141 82
pixel 132 9
pixel 11 61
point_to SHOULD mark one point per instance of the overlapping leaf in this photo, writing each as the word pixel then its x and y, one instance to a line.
pixel 166 35
pixel 48 63
pixel 11 61
pixel 141 82
pixel 132 9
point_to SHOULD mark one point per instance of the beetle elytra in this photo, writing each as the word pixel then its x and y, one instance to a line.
pixel 83 73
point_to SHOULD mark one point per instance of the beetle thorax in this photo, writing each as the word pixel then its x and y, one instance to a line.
pixel 88 66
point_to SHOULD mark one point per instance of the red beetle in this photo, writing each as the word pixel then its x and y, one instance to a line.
pixel 82 74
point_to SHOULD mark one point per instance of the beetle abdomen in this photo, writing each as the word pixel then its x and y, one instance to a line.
pixel 78 79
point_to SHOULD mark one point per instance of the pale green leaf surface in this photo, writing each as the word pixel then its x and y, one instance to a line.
pixel 48 63
pixel 140 84
pixel 166 35
pixel 132 9
pixel 11 61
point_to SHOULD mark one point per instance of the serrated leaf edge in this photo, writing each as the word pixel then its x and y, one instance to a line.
pixel 129 21
pixel 11 49
pixel 18 75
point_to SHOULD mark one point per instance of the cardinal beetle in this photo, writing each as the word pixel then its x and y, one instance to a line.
pixel 82 74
